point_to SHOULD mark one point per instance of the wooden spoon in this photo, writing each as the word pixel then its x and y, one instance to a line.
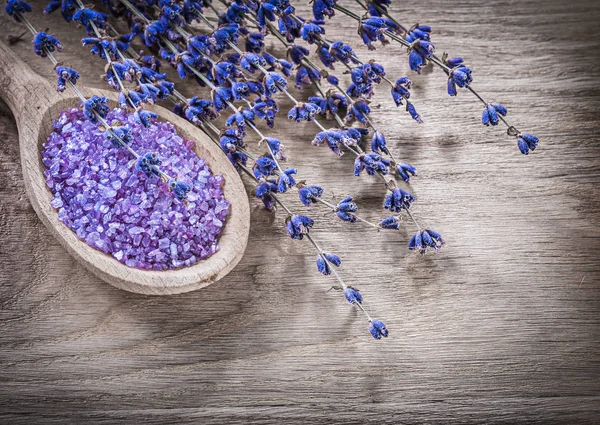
pixel 35 103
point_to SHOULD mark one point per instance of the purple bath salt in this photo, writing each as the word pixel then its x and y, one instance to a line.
pixel 117 209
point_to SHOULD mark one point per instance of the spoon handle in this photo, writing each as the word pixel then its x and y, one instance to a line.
pixel 22 89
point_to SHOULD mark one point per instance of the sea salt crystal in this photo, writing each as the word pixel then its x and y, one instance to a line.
pixel 136 230
pixel 56 201
pixel 114 208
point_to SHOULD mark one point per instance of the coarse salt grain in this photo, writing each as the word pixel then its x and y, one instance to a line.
pixel 113 207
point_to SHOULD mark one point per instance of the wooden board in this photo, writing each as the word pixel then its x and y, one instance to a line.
pixel 502 326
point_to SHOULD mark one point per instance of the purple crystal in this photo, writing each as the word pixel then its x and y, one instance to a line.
pixel 116 209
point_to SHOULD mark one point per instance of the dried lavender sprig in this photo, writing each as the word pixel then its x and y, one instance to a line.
pixel 352 295
pixel 492 113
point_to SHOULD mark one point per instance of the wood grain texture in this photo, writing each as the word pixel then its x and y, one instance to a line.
pixel 503 326
pixel 35 103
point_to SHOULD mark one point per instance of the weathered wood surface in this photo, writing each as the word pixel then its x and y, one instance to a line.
pixel 502 326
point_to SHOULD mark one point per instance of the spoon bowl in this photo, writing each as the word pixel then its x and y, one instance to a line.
pixel 35 103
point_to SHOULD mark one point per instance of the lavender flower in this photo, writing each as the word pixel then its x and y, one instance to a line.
pixel 236 12
pixel 378 143
pixel 65 74
pixel 100 46
pixel 90 18
pixel 286 180
pixel 334 139
pixel 312 30
pixel 418 32
pixel 323 8
pixel 326 57
pixel 420 51
pixel 324 260
pixel 491 112
pixel 240 90
pixel 143 117
pixel 373 29
pixel 254 42
pixel 371 163
pixel 264 191
pixel 400 90
pixel 303 112
pixel 404 170
pixel 148 163
pixel 276 148
pixel 424 239
pixel 238 159
pixel 459 75
pixel 345 209
pixel 333 80
pixel 264 166
pixel 179 188
pixel 358 111
pixel 220 97
pixel 278 64
pixel 309 194
pixel 266 110
pixel 413 113
pixel 273 83
pixel 252 61
pixel 378 329
pixel 527 142
pixel 266 12
pixel 199 109
pixel 15 8
pixel 238 119
pixel 391 222
pixel 329 105
pixel 397 200
pixel 353 295
pixel 298 226
pixel 95 106
pixel 297 53
pixel 342 52
pixel 122 133
pixel 231 140
pixel 43 43
pixel 306 75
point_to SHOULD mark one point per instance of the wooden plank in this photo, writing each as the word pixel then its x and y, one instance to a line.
pixel 502 326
